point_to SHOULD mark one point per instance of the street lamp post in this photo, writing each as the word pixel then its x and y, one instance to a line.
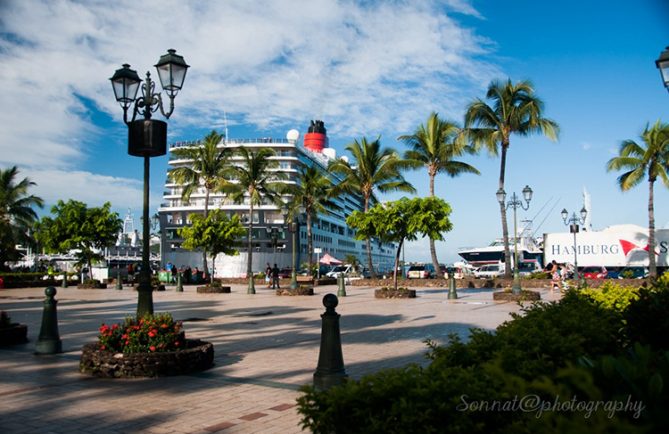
pixel 515 203
pixel 662 64
pixel 573 223
pixel 148 138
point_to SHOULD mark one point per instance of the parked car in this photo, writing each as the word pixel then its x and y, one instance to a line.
pixel 349 271
pixel 421 271
pixel 489 271
pixel 594 272
pixel 528 267
pixel 286 273
pixel 631 273
pixel 460 271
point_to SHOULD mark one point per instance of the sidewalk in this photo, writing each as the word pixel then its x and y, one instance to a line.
pixel 265 346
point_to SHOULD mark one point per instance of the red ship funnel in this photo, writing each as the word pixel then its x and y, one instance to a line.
pixel 316 138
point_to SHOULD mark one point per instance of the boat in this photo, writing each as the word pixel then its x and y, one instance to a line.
pixel 529 249
pixel 272 240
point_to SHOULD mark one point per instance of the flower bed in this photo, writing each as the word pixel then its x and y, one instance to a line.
pixel 152 346
pixel 196 356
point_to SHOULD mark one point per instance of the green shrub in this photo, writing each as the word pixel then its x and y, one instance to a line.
pixel 152 333
pixel 647 317
pixel 408 400
pixel 489 367
pixel 612 295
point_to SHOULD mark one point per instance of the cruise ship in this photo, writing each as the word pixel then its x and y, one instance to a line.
pixel 272 241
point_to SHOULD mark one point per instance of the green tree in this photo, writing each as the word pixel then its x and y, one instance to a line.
pixel 16 213
pixel 515 109
pixel 311 193
pixel 208 168
pixel 374 169
pixel 215 234
pixel 401 220
pixel 435 145
pixel 258 182
pixel 638 162
pixel 77 227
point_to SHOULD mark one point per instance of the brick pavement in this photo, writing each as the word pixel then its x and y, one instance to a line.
pixel 266 347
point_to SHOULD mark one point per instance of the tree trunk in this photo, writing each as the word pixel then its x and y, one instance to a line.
pixel 502 209
pixel 205 269
pixel 433 249
pixel 310 243
pixel 249 265
pixel 652 266
pixel 368 243
pixel 397 263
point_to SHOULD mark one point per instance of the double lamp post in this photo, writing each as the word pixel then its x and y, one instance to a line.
pixel 515 203
pixel 148 138
pixel 573 223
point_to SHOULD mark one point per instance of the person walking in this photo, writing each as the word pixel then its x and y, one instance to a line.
pixel 275 277
pixel 555 277
pixel 268 275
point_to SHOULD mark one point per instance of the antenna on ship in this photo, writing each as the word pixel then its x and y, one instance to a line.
pixel 225 124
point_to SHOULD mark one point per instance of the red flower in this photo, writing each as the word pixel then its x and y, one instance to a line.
pixel 115 326
pixel 124 336
pixel 103 328
pixel 127 342
pixel 152 334
pixel 102 347
pixel 152 348
pixel 164 326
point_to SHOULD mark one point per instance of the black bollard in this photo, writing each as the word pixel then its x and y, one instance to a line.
pixel 341 292
pixel 330 370
pixel 49 342
pixel 119 283
pixel 180 287
pixel 64 284
pixel 452 293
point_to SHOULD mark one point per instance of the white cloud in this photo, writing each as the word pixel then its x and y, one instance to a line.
pixel 364 67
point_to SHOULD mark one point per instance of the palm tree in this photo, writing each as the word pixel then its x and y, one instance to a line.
pixel 515 109
pixel 258 181
pixel 312 193
pixel 16 211
pixel 208 169
pixel 637 160
pixel 434 146
pixel 374 169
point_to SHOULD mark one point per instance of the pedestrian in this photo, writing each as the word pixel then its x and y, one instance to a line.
pixel 555 276
pixel 174 273
pixel 268 275
pixel 275 277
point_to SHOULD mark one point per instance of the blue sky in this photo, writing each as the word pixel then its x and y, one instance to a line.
pixel 366 68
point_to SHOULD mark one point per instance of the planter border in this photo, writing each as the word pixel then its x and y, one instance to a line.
pixel 197 356
pixel 15 334
pixel 394 293
pixel 300 290
pixel 213 289
pixel 524 295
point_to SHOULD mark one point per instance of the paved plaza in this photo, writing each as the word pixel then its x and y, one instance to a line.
pixel 265 346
